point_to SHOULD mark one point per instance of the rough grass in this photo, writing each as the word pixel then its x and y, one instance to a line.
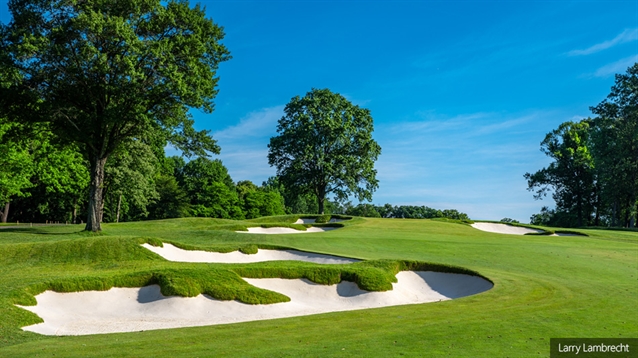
pixel 568 286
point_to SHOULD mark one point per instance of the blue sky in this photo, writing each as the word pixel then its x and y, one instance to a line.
pixel 461 92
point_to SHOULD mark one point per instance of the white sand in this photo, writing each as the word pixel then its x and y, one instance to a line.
pixel 284 230
pixel 503 228
pixel 173 253
pixel 305 221
pixel 312 221
pixel 509 229
pixel 136 309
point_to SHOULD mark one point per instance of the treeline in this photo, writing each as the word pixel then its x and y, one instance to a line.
pixel 594 174
pixel 42 180
pixel 402 211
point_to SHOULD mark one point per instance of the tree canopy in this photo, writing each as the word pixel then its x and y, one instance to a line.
pixel 102 73
pixel 571 174
pixel 594 174
pixel 325 146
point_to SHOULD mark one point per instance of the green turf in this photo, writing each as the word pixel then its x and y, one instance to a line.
pixel 545 286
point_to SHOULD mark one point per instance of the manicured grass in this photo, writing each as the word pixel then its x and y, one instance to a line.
pixel 545 286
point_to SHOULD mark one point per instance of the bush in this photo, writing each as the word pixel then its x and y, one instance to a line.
pixel 322 219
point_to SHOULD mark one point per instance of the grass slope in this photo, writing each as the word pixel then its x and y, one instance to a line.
pixel 545 287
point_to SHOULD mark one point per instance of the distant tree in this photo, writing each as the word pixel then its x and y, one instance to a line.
pixel 365 210
pixel 385 211
pixel 615 148
pixel 172 201
pixel 129 181
pixel 509 221
pixel 45 179
pixel 543 218
pixel 259 201
pixel 571 175
pixel 293 203
pixel 210 189
pixel 455 214
pixel 325 146
pixel 16 168
pixel 104 72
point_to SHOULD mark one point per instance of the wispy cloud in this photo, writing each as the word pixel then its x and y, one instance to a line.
pixel 431 122
pixel 619 66
pixel 245 145
pixel 625 36
pixel 256 124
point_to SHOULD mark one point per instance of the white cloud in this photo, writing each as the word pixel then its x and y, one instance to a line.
pixel 619 66
pixel 625 36
pixel 256 124
pixel 245 144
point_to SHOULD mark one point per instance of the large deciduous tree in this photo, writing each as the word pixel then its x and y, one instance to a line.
pixel 104 72
pixel 325 146
pixel 571 175
pixel 615 147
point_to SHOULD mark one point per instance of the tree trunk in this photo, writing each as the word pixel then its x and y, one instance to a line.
pixel 321 195
pixel 96 200
pixel 580 212
pixel 5 213
pixel 119 203
pixel 74 219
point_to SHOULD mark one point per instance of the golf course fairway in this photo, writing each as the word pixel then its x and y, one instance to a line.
pixel 544 287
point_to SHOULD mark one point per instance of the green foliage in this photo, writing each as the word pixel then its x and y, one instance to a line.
pixel 509 221
pixel 101 75
pixel 257 202
pixel 210 189
pixel 322 219
pixel 405 212
pixel 129 182
pixel 325 146
pixel 458 221
pixel 15 162
pixel 365 210
pixel 614 143
pixel 594 176
pixel 56 174
pixel 571 175
pixel 172 201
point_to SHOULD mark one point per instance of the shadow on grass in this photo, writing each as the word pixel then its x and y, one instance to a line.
pixel 45 230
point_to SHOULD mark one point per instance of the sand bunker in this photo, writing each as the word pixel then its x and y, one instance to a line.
pixel 305 221
pixel 136 309
pixel 312 221
pixel 173 253
pixel 283 230
pixel 514 230
pixel 504 228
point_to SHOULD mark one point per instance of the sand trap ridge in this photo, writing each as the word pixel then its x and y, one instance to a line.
pixel 135 309
pixel 514 230
pixel 504 228
pixel 312 221
pixel 284 230
pixel 173 253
